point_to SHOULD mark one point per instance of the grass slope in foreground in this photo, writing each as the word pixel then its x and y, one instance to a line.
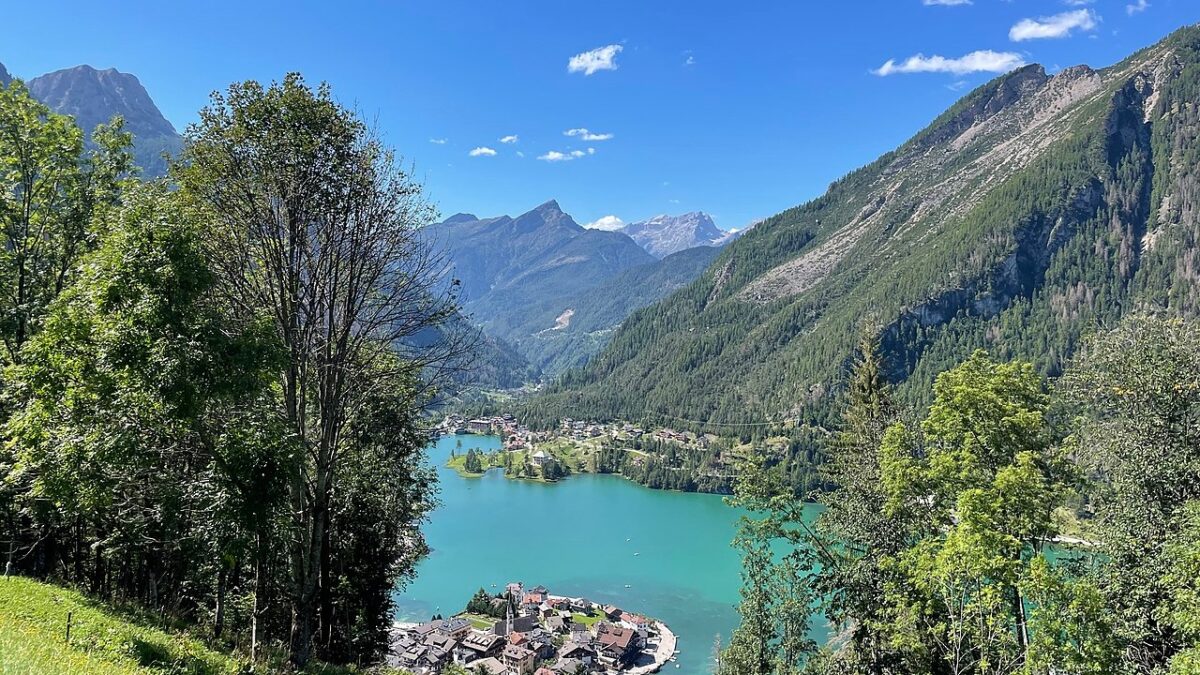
pixel 33 619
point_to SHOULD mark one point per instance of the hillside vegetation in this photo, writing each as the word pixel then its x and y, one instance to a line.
pixel 1033 211
pixel 33 625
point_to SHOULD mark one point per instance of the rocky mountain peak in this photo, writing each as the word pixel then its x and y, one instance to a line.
pixel 665 234
pixel 460 218
pixel 5 77
pixel 94 96
pixel 548 214
pixel 549 208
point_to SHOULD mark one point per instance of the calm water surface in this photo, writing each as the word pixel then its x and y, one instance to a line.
pixel 589 536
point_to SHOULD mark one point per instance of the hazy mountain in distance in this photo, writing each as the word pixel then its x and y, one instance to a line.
pixel 566 332
pixel 507 265
pixel 663 235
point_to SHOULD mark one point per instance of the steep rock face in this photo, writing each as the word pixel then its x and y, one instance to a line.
pixel 663 235
pixel 5 77
pixel 1032 210
pixel 94 96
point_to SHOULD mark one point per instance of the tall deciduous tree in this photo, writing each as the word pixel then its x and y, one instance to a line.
pixel 1140 385
pixel 144 434
pixel 315 223
pixel 49 189
pixel 980 480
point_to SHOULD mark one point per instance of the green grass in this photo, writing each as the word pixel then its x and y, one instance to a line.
pixel 492 460
pixel 33 619
pixel 479 621
pixel 107 641
pixel 588 620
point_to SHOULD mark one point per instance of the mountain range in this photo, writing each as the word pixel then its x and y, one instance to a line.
pixel 546 291
pixel 1036 209
pixel 551 288
pixel 94 96
pixel 664 234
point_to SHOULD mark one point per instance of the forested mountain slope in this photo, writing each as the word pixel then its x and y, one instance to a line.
pixel 565 332
pixel 1034 210
pixel 551 288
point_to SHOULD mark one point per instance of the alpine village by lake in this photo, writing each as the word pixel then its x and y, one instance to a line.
pixel 429 338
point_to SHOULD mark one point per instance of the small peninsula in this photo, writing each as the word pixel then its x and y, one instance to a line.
pixel 531 631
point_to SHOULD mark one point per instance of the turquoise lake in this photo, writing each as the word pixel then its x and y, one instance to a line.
pixel 665 554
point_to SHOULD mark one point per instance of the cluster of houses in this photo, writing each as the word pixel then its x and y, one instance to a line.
pixel 517 436
pixel 501 425
pixel 542 636
pixel 580 430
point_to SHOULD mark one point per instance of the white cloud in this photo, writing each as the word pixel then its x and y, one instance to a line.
pixel 984 61
pixel 1057 26
pixel 945 3
pixel 585 135
pixel 689 61
pixel 557 156
pixel 1135 8
pixel 606 223
pixel 511 138
pixel 438 141
pixel 601 58
pixel 520 154
pixel 482 151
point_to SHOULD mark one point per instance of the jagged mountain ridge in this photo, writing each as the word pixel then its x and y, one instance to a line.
pixel 663 234
pixel 1034 209
pixel 507 263
pixel 94 96
pixel 551 288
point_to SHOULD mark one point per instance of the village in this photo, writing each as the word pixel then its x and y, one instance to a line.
pixel 530 631
pixel 519 437
pixel 578 446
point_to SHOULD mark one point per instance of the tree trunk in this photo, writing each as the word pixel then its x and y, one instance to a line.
pixel 258 556
pixel 304 615
pixel 219 620
pixel 1022 623
pixel 326 594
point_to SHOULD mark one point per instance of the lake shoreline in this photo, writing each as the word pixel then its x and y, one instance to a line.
pixel 665 552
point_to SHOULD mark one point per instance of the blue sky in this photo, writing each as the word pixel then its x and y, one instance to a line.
pixel 740 109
